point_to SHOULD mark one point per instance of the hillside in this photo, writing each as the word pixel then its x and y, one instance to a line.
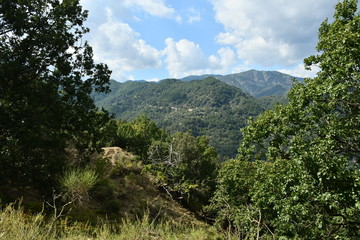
pixel 256 83
pixel 206 107
pixel 126 190
pixel 126 203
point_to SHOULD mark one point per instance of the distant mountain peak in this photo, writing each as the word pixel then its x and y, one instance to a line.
pixel 255 82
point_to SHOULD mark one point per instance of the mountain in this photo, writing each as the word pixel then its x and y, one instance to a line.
pixel 256 83
pixel 205 107
pixel 213 105
pixel 198 77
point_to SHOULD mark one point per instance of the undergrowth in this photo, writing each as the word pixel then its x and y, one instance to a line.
pixel 16 224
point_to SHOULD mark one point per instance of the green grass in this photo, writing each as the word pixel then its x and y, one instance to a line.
pixel 16 224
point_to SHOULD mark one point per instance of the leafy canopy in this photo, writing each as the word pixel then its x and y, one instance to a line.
pixel 187 166
pixel 306 182
pixel 46 77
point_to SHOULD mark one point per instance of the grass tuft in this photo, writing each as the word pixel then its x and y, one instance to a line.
pixel 78 182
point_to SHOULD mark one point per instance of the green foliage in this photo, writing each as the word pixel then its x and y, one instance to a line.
pixel 232 202
pixel 46 78
pixel 137 135
pixel 269 102
pixel 78 182
pixel 305 184
pixel 107 133
pixel 186 165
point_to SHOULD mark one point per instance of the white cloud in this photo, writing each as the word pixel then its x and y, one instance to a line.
pixel 156 8
pixel 118 45
pixel 227 58
pixel 269 33
pixel 186 58
pixel 299 71
pixel 194 15
pixel 153 80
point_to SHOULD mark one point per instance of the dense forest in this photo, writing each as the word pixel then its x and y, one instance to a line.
pixel 296 174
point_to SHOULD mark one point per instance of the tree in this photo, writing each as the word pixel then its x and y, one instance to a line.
pixel 231 201
pixel 46 77
pixel 309 187
pixel 138 135
pixel 187 165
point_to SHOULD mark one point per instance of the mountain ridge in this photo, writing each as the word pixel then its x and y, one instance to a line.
pixel 255 82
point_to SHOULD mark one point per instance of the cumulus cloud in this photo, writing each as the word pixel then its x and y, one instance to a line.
pixel 271 33
pixel 118 45
pixel 186 58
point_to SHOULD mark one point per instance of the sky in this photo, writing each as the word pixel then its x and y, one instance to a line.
pixel 157 39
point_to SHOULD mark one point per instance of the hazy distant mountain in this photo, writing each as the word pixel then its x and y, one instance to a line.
pixel 205 107
pixel 256 83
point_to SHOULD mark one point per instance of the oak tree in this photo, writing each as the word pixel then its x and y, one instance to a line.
pixel 306 182
pixel 47 73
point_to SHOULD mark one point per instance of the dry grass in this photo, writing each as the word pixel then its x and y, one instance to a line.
pixel 15 224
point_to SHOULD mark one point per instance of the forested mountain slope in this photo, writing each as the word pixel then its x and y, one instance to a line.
pixel 205 107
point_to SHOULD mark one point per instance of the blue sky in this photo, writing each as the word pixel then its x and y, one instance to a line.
pixel 157 39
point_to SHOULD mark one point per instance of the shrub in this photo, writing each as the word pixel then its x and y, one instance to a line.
pixel 78 182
